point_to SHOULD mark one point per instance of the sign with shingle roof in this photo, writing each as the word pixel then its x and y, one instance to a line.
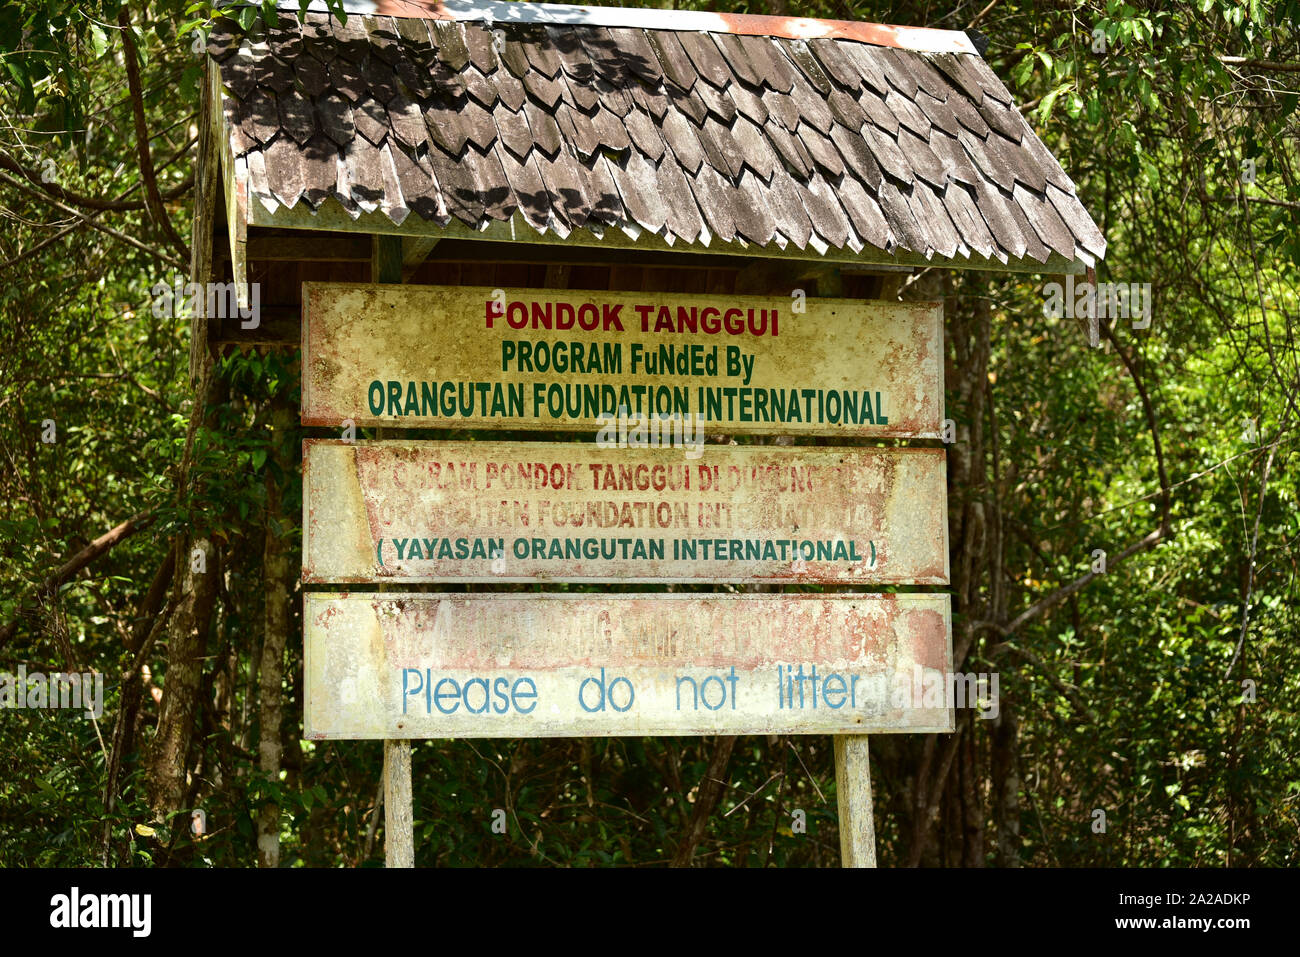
pixel 640 135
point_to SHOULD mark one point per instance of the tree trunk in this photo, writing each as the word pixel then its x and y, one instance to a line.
pixel 706 799
pixel 124 728
pixel 194 593
pixel 276 574
pixel 187 635
pixel 1006 786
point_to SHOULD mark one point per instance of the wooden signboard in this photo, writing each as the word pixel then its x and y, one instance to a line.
pixel 457 357
pixel 499 665
pixel 406 511
pixel 645 376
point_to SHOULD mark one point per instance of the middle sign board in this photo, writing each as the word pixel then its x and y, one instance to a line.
pixel 399 511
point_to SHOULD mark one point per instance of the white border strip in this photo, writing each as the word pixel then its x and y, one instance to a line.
pixel 919 39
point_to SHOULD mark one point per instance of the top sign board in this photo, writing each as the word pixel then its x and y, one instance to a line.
pixel 477 357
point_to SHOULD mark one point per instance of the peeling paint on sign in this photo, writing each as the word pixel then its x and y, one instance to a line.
pixel 480 666
pixel 404 511
pixel 443 357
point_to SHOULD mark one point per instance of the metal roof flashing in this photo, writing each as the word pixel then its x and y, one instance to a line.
pixel 490 12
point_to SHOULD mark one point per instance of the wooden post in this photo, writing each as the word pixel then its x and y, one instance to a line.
pixel 853 787
pixel 852 761
pixel 399 828
pixel 399 831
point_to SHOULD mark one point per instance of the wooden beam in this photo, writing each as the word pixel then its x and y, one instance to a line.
pixel 415 250
pixel 468 250
pixel 386 259
pixel 852 761
pixel 875 269
pixel 399 814
pixel 234 178
pixel 280 327
pixel 272 244
pixel 208 185
pixel 317 248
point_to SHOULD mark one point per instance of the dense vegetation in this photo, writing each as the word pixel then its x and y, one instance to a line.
pixel 1160 691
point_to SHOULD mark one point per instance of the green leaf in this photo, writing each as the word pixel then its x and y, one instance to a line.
pixel 98 40
pixel 1094 107
pixel 1022 71
pixel 1045 107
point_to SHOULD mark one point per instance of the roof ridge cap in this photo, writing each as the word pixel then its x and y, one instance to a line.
pixel 914 39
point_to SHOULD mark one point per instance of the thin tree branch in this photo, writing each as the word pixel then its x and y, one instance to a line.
pixel 1262 200
pixel 1250 573
pixel 1064 592
pixel 1069 693
pixel 89 221
pixel 154 201
pixel 178 190
pixel 1150 413
pixel 1260 64
pixel 79 561
pixel 77 199
pixel 980 16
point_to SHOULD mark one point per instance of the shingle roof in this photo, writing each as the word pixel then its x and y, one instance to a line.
pixel 696 137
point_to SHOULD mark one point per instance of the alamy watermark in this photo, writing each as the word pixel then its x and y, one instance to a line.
pixel 133 912
pixel 800 686
pixel 931 688
pixel 214 300
pixel 1103 300
pixel 660 430
pixel 59 691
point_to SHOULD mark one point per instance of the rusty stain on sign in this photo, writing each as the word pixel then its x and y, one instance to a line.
pixel 404 511
pixel 454 357
pixel 479 666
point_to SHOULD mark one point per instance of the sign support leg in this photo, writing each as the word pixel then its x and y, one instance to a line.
pixel 399 814
pixel 853 786
pixel 852 762
pixel 399 835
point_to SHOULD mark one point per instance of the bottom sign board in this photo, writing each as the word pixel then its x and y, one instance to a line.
pixel 425 665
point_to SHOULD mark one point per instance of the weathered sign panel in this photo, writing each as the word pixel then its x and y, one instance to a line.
pixel 463 356
pixel 501 665
pixel 404 511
